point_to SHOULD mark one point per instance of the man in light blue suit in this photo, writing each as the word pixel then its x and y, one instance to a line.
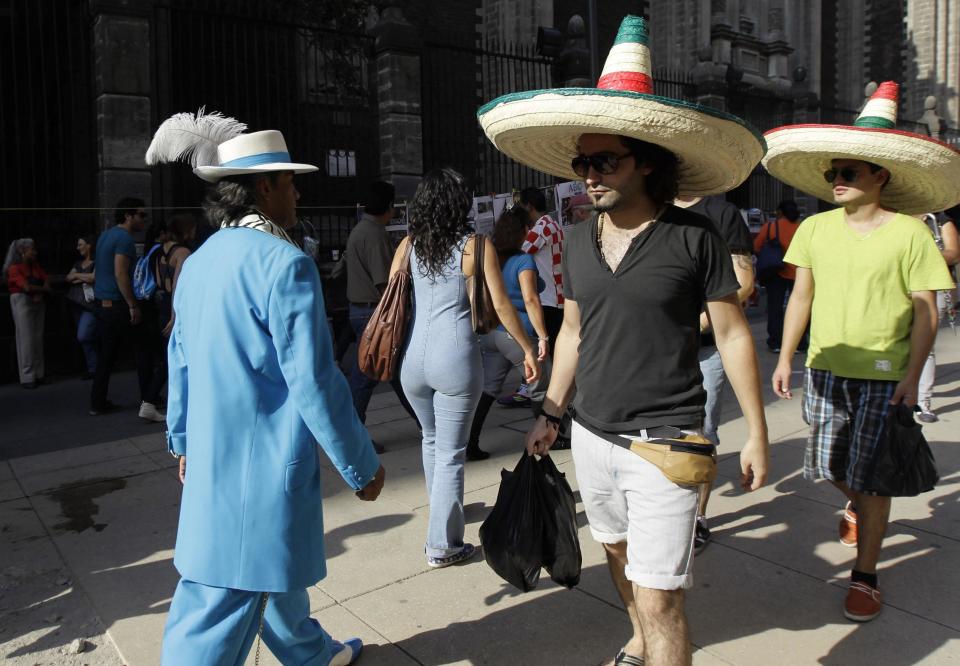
pixel 253 389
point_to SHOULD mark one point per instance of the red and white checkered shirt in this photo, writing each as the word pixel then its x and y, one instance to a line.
pixel 545 242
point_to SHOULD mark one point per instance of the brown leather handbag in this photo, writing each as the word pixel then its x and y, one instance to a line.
pixel 483 316
pixel 383 338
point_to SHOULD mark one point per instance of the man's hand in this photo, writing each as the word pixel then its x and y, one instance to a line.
pixel 781 380
pixel 135 315
pixel 531 366
pixel 541 437
pixel 371 491
pixel 906 392
pixel 543 349
pixel 183 468
pixel 754 460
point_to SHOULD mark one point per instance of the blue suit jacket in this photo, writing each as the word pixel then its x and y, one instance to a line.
pixel 253 388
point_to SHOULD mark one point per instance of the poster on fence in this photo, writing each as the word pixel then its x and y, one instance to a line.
pixel 482 215
pixel 501 202
pixel 564 193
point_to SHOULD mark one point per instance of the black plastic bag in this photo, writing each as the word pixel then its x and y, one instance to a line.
pixel 561 546
pixel 904 465
pixel 512 535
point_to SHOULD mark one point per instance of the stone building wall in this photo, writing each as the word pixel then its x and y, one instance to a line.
pixel 932 57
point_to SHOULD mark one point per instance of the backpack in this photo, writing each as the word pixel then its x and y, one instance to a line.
pixel 770 257
pixel 144 282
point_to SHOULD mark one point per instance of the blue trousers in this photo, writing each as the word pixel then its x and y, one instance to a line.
pixel 361 386
pixel 214 626
pixel 714 379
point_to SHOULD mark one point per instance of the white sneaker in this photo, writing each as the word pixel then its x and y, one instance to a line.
pixel 149 411
pixel 926 414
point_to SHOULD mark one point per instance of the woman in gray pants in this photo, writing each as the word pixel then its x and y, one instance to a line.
pixel 441 371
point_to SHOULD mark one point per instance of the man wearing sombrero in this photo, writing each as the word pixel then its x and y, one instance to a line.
pixel 253 388
pixel 866 278
pixel 635 280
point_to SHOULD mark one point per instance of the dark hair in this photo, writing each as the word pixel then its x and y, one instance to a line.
pixel 533 196
pixel 875 168
pixel 789 209
pixel 953 213
pixel 661 184
pixel 127 206
pixel 438 219
pixel 156 228
pixel 181 225
pixel 233 197
pixel 509 232
pixel 382 194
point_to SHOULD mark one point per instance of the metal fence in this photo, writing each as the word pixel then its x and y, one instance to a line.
pixel 456 81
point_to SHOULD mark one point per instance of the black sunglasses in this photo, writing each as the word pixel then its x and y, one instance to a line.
pixel 846 174
pixel 604 163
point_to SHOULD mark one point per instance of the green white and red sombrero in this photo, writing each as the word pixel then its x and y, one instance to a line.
pixel 540 128
pixel 924 172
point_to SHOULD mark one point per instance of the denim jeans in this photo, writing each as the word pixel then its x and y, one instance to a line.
pixel 361 386
pixel 714 379
pixel 87 337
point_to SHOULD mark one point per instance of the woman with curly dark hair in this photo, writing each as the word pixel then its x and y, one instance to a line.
pixel 441 370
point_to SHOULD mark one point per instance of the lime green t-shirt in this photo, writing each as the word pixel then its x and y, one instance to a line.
pixel 862 311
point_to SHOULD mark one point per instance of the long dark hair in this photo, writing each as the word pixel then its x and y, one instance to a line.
pixel 233 197
pixel 438 219
pixel 509 232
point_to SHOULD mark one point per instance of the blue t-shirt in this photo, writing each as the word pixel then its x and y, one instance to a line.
pixel 114 241
pixel 512 268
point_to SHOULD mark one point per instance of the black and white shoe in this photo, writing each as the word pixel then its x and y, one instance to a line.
pixel 701 536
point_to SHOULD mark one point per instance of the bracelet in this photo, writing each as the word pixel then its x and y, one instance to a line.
pixel 550 418
pixel 546 339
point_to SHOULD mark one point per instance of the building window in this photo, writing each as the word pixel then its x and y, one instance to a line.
pixel 341 163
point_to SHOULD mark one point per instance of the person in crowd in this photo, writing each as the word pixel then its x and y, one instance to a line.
pixel 500 352
pixel 117 310
pixel 149 347
pixel 441 368
pixel 635 281
pixel 28 283
pixel 866 277
pixel 253 392
pixel 734 231
pixel 945 234
pixel 174 251
pixel 779 286
pixel 80 295
pixel 544 241
pixel 368 255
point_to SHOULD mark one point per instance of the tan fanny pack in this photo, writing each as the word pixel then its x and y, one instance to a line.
pixel 687 460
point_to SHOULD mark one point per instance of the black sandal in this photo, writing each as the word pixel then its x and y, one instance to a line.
pixel 624 659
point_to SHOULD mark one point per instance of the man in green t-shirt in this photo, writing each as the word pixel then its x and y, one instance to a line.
pixel 866 280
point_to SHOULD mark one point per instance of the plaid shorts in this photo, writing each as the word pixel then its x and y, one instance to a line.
pixel 846 418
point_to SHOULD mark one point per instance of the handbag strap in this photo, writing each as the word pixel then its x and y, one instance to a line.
pixel 405 264
pixel 479 244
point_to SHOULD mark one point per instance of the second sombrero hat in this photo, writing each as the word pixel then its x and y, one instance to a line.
pixel 924 172
pixel 540 128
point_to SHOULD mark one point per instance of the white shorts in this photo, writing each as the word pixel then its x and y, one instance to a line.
pixel 629 499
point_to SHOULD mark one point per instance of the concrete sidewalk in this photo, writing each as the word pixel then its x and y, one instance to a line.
pixel 86 538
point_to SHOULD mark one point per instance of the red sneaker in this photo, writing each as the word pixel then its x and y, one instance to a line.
pixel 863 603
pixel 848 526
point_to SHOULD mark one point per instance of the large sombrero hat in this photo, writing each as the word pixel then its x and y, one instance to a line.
pixel 925 173
pixel 216 147
pixel 540 128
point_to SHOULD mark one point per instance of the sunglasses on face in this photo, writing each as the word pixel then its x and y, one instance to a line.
pixel 604 163
pixel 846 174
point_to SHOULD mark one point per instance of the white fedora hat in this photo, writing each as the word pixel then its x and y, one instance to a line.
pixel 540 128
pixel 924 172
pixel 257 152
pixel 216 147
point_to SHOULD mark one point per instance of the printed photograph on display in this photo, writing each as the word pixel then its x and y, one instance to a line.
pixel 482 215
pixel 501 202
pixel 398 225
pixel 564 193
